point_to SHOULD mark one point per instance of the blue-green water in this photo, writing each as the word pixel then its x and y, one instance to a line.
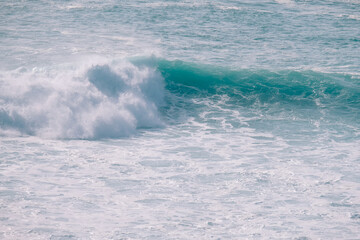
pixel 179 119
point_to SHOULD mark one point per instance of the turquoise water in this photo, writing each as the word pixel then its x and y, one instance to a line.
pixel 179 119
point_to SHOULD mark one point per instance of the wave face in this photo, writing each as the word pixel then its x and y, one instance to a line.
pixel 90 101
pixel 250 86
pixel 307 94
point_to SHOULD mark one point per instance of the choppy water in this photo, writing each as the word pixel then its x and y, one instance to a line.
pixel 179 119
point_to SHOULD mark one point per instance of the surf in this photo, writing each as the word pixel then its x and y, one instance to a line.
pixel 116 98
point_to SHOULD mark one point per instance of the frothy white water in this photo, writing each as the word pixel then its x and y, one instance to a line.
pixel 95 99
pixel 289 2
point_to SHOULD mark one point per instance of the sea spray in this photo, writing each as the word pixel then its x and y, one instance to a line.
pixel 92 100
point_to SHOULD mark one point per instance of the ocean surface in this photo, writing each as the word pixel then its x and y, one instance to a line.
pixel 187 119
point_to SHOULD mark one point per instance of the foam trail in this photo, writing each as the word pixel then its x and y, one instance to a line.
pixel 99 99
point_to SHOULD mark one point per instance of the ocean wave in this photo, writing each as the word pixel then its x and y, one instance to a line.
pixel 111 99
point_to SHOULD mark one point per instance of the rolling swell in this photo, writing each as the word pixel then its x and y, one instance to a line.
pixel 304 92
pixel 249 86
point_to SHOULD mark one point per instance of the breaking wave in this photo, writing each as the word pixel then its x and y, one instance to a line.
pixel 111 99
pixel 104 100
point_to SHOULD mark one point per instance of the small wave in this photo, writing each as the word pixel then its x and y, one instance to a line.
pixel 230 8
pixel 355 17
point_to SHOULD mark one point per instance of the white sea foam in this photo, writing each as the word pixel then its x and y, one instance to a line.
pixel 230 8
pixel 89 100
pixel 72 6
pixel 288 2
